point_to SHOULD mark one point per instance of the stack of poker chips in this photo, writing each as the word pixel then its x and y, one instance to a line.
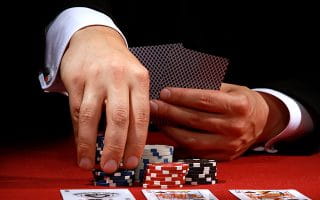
pixel 153 154
pixel 165 175
pixel 119 178
pixel 122 177
pixel 201 171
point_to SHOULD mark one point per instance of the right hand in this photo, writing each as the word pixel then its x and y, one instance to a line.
pixel 99 73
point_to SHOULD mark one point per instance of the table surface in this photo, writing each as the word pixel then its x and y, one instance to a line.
pixel 39 170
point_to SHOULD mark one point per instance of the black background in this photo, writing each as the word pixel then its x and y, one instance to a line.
pixel 269 44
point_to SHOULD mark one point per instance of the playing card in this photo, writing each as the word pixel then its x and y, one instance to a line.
pixel 97 194
pixel 172 65
pixel 289 194
pixel 192 69
pixel 201 194
pixel 155 59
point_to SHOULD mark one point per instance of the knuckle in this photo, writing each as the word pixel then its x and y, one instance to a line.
pixel 115 148
pixel 141 73
pixel 193 120
pixel 118 70
pixel 142 76
pixel 77 79
pixel 95 71
pixel 239 127
pixel 233 147
pixel 142 118
pixel 75 113
pixel 120 116
pixel 242 106
pixel 205 99
pixel 83 146
pixel 85 115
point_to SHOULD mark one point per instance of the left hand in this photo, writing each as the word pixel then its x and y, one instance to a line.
pixel 219 124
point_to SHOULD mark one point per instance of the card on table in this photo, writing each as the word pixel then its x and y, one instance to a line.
pixel 199 194
pixel 97 194
pixel 288 194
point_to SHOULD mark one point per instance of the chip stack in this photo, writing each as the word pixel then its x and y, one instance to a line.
pixel 121 177
pixel 99 148
pixel 153 154
pixel 201 171
pixel 165 175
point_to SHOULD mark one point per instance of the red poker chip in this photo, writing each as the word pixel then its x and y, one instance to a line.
pixel 145 185
pixel 184 171
pixel 168 166
pixel 164 182
pixel 149 178
pixel 164 175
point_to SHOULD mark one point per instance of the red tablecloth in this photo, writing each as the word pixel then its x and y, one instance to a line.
pixel 39 170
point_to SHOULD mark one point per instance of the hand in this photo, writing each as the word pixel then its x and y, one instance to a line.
pixel 219 125
pixel 100 74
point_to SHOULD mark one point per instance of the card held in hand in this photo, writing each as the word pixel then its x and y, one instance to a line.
pixel 172 65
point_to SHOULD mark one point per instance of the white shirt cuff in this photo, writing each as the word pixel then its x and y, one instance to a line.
pixel 300 121
pixel 58 36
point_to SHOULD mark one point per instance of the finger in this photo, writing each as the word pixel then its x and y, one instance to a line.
pixel 204 100
pixel 196 141
pixel 208 145
pixel 117 111
pixel 90 112
pixel 139 121
pixel 188 117
pixel 75 98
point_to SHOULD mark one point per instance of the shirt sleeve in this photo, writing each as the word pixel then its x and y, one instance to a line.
pixel 300 121
pixel 58 35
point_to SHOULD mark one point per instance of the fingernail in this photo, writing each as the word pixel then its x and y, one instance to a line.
pixel 132 162
pixel 165 94
pixel 153 106
pixel 110 166
pixel 85 163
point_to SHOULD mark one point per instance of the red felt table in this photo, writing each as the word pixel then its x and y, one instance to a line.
pixel 39 170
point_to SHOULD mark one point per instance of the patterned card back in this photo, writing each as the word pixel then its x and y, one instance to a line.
pixel 172 65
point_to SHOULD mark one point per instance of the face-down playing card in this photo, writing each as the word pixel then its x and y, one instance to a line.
pixel 155 59
pixel 172 65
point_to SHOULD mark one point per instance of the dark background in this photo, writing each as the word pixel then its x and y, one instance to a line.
pixel 269 45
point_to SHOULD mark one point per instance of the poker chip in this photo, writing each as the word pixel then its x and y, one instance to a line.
pixel 122 177
pixel 201 183
pixel 166 171
pixel 154 175
pixel 153 154
pixel 156 169
pixel 164 182
pixel 165 175
pixel 168 166
pixel 101 183
pixel 201 171
pixel 120 173
pixel 150 186
pixel 165 178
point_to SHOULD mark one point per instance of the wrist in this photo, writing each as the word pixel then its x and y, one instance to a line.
pixel 109 32
pixel 278 118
